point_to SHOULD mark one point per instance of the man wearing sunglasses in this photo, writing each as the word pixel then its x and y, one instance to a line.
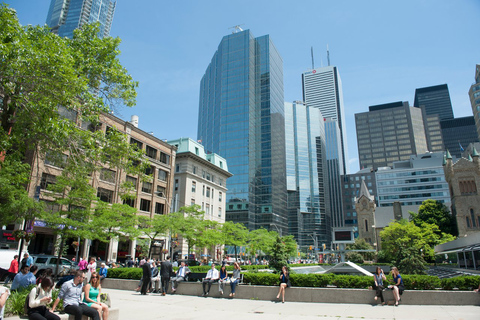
pixel 70 293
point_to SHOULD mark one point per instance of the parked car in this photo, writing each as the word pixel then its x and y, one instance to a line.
pixel 48 261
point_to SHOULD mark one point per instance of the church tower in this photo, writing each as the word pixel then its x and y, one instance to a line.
pixel 365 207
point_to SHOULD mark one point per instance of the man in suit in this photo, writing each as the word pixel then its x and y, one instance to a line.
pixel 146 278
pixel 182 273
pixel 212 276
pixel 166 271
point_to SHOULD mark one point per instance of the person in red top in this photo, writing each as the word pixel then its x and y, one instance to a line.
pixel 13 269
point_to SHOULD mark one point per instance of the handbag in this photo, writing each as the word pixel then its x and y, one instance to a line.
pixel 105 298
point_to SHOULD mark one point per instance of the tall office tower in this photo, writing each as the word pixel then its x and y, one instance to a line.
pixel 305 153
pixel 474 94
pixel 352 184
pixel 64 16
pixel 413 181
pixel 241 118
pixel 436 100
pixel 433 131
pixel 322 88
pixel 335 169
pixel 458 133
pixel 389 132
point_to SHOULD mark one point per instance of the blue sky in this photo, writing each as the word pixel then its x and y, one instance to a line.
pixel 383 50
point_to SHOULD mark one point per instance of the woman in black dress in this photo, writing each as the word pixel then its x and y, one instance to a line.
pixel 284 283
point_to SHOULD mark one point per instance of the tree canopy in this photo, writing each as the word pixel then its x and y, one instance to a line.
pixel 435 212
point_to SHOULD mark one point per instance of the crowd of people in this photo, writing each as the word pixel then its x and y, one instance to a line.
pixel 85 282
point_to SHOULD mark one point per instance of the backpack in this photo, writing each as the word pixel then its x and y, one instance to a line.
pixel 26 306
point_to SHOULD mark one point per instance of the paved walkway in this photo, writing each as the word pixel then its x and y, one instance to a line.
pixel 134 306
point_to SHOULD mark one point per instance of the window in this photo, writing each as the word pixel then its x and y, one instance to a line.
pixel 208 192
pixel 192 202
pixel 161 191
pixel 147 187
pixel 149 170
pixel 67 113
pixel 164 158
pixel 366 225
pixel 130 202
pixel 196 151
pixel 177 168
pixel 162 175
pixel 176 184
pixel 159 208
pixel 194 186
pixel 208 176
pixel 203 174
pixel 51 206
pixel 145 205
pixel 468 222
pixel 221 164
pixel 47 179
pixel 105 195
pixel 136 144
pixel 107 175
pixel 219 196
pixel 472 217
pixel 132 181
pixel 219 212
pixel 194 170
pixel 207 209
pixel 213 192
pixel 90 126
pixel 203 190
pixel 56 160
pixel 151 152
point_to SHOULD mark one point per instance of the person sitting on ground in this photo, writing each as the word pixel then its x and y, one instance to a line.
pixel 223 278
pixel 45 273
pixel 234 279
pixel 24 278
pixel 103 271
pixel 284 283
pixel 70 293
pixel 180 276
pixel 378 277
pixel 38 299
pixel 91 296
pixel 212 276
pixel 398 286
pixel 4 294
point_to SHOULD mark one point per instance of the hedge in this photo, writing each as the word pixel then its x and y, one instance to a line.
pixel 411 282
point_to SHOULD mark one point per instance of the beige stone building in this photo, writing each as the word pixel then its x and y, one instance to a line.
pixel 463 178
pixel 199 178
pixel 365 207
pixel 151 197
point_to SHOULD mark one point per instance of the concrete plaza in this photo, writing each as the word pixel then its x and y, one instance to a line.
pixel 132 305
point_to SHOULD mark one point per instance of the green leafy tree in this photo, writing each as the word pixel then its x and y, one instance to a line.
pixel 260 241
pixel 234 234
pixel 360 244
pixel 152 227
pixel 279 254
pixel 48 87
pixel 435 212
pixel 408 246
pixel 187 223
pixel 290 245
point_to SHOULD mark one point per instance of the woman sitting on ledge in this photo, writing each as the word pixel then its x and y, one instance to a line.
pixel 398 286
pixel 379 277
pixel 284 283
pixel 92 293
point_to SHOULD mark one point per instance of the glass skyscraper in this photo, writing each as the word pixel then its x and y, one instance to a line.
pixel 241 118
pixel 64 16
pixel 436 100
pixel 309 220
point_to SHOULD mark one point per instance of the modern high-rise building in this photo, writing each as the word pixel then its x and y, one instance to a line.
pixel 436 100
pixel 413 181
pixel 458 133
pixel 389 132
pixel 322 89
pixel 64 16
pixel 308 217
pixel 241 118
pixel 474 94
pixel 334 170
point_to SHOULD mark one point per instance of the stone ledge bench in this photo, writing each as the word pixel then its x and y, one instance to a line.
pixel 321 295
pixel 113 315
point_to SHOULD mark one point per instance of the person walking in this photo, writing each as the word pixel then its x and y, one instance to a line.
pixel 166 270
pixel 378 277
pixel 70 293
pixel 13 270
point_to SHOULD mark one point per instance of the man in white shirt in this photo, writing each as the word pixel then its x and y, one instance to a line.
pixel 212 276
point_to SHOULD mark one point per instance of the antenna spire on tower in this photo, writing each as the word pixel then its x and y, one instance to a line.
pixel 237 28
pixel 328 56
pixel 313 63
